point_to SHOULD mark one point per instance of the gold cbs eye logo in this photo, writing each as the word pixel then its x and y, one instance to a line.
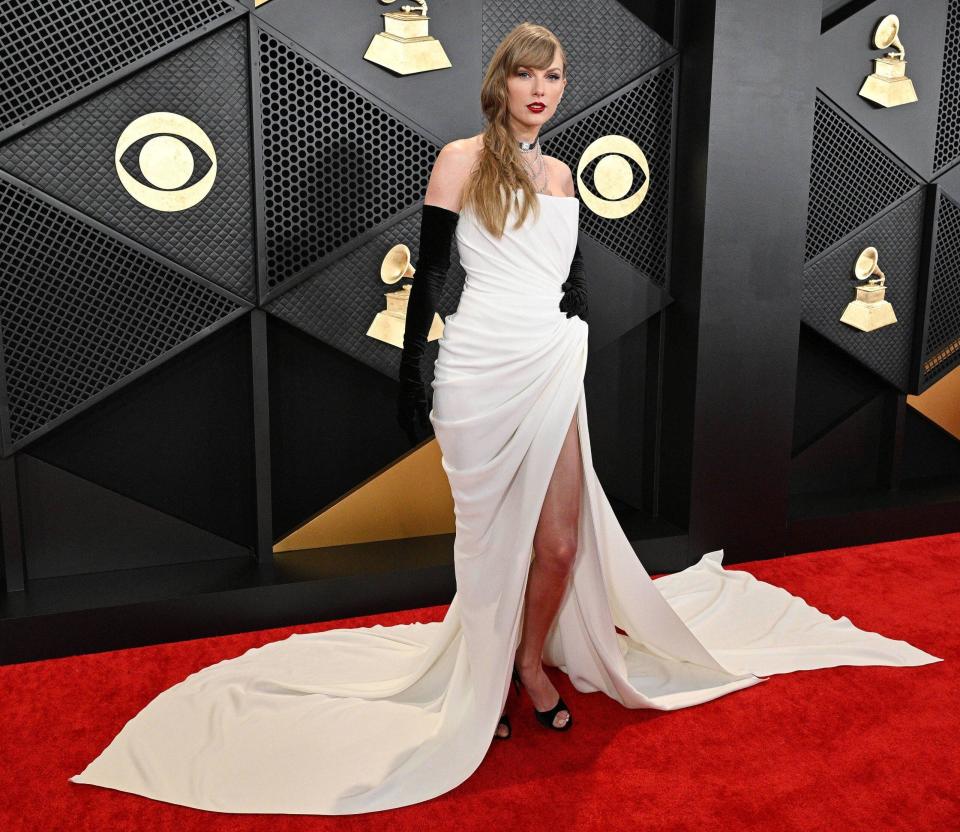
pixel 166 161
pixel 613 176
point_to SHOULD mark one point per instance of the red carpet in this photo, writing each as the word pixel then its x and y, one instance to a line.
pixel 846 748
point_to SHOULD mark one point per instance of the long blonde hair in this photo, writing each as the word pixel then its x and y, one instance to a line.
pixel 490 191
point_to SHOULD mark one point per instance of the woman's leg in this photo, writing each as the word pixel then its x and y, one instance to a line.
pixel 555 547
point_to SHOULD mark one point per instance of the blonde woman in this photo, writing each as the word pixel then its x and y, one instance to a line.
pixel 514 292
pixel 363 719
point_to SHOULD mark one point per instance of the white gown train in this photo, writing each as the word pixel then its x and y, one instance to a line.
pixel 370 718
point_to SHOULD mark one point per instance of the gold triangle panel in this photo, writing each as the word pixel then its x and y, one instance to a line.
pixel 411 498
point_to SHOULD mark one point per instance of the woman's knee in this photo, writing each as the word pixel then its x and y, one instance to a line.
pixel 557 552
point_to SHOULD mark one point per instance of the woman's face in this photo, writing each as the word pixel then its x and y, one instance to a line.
pixel 541 88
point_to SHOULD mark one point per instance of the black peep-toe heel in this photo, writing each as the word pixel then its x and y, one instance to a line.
pixel 504 718
pixel 545 718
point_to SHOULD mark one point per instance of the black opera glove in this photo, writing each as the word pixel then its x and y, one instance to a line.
pixel 437 227
pixel 574 300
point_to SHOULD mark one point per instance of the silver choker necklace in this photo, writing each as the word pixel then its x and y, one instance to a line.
pixel 537 169
pixel 526 147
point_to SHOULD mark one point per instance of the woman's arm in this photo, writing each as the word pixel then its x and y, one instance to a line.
pixel 574 300
pixel 437 226
pixel 450 172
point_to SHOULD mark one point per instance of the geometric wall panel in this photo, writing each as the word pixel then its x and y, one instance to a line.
pixel 939 404
pixel 606 45
pixel 845 457
pixel 830 386
pixel 95 529
pixel 929 451
pixel 81 310
pixel 941 347
pixel 338 304
pixel 621 297
pixel 417 481
pixel 333 425
pixel 179 440
pixel 339 32
pixel 851 179
pixel 71 157
pixel 844 59
pixel 947 148
pixel 828 286
pixel 643 112
pixel 49 51
pixel 335 164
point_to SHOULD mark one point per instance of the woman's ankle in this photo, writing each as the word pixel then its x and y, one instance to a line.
pixel 528 667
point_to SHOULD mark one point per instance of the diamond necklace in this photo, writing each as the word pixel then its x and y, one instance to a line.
pixel 538 168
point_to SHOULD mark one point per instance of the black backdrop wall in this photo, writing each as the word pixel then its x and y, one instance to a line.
pixel 186 375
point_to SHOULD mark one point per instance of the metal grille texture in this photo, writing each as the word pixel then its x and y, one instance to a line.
pixel 71 157
pixel 335 164
pixel 51 50
pixel 947 147
pixel 941 348
pixel 829 285
pixel 851 179
pixel 80 310
pixel 643 113
pixel 339 304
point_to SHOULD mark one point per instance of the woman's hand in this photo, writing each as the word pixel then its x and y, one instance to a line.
pixel 412 409
pixel 574 300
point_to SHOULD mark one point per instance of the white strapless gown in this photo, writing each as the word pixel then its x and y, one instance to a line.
pixel 359 720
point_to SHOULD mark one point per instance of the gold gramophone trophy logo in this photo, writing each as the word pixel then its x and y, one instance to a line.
pixel 869 311
pixel 889 85
pixel 388 325
pixel 405 46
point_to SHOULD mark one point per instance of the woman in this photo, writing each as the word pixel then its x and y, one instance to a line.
pixel 370 718
pixel 517 99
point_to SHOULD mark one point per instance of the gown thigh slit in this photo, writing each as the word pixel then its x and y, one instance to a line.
pixel 574 450
pixel 363 719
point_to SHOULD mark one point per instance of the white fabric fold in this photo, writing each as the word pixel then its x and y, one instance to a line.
pixel 371 718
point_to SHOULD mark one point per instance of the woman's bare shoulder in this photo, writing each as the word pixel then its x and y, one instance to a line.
pixel 450 171
pixel 471 145
pixel 560 174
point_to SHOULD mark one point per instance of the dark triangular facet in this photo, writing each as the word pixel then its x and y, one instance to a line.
pixel 336 165
pixel 829 285
pixel 82 311
pixel 851 179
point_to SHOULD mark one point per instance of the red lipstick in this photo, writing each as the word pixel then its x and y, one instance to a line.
pixel 536 107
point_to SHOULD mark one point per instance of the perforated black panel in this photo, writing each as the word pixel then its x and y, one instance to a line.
pixel 947 147
pixel 941 348
pixel 50 50
pixel 643 113
pixel 339 304
pixel 607 46
pixel 851 179
pixel 80 310
pixel 71 157
pixel 829 285
pixel 335 163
